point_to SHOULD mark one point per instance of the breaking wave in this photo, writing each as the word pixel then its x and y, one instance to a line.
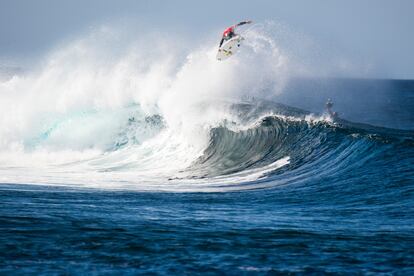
pixel 161 117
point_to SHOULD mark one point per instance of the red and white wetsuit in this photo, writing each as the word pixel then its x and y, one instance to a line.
pixel 229 32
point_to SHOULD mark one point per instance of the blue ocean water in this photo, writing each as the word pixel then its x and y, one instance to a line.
pixel 343 202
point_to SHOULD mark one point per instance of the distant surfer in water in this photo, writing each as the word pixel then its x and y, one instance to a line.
pixel 328 106
pixel 229 32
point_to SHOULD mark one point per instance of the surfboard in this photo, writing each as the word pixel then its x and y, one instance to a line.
pixel 229 47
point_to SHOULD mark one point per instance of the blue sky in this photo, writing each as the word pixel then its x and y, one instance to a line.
pixel 379 31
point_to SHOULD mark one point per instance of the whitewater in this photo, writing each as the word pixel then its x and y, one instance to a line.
pixel 142 115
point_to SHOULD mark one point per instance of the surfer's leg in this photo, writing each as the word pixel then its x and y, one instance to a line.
pixel 221 42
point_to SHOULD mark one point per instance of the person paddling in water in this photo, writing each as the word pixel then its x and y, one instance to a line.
pixel 229 32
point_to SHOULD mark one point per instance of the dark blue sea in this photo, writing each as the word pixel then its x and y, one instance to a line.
pixel 295 192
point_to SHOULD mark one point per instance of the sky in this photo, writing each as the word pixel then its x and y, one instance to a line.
pixel 379 32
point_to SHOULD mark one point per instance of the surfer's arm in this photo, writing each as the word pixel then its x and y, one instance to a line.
pixel 242 23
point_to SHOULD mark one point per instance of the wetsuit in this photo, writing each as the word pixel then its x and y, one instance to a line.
pixel 229 32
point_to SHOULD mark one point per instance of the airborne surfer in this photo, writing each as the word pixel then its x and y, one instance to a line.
pixel 229 32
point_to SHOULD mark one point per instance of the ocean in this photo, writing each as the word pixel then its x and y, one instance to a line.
pixel 224 174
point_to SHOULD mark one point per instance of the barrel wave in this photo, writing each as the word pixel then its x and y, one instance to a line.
pixel 283 149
